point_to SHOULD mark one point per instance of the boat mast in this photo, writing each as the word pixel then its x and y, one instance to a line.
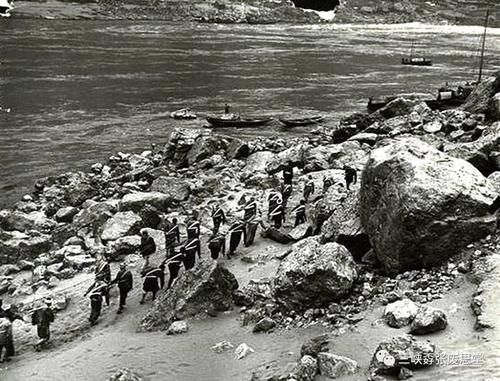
pixel 483 45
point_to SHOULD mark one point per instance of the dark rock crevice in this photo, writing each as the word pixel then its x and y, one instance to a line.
pixel 317 5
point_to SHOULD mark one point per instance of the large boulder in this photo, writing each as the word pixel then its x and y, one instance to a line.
pixel 66 214
pixel 207 287
pixel 15 246
pixel 296 155
pixel 479 101
pixel 79 189
pixel 392 353
pixel 494 179
pixel 420 206
pixel 481 152
pixel 204 147
pixel 314 274
pixel 136 201
pixel 121 225
pixel 124 375
pixel 257 162
pixel 176 189
pixel 400 313
pixel 335 366
pixel 237 149
pixel 16 220
pixel 428 320
pixel 94 216
pixel 306 369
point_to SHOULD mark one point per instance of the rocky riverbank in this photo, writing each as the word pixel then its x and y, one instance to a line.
pixel 264 11
pixel 420 225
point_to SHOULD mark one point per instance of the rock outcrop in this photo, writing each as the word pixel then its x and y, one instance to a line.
pixel 419 206
pixel 314 274
pixel 206 288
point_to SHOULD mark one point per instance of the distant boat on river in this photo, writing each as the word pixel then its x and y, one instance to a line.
pixel 297 122
pixel 416 60
pixel 235 120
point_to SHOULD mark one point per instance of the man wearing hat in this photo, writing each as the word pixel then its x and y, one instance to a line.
pixel 42 318
pixel 124 280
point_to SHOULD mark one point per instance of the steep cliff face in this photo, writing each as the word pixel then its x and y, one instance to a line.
pixel 462 12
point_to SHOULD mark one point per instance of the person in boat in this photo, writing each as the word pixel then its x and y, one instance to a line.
pixel 174 266
pixel 148 247
pixel 327 183
pixel 300 213
pixel 154 280
pixel 288 173
pixel 193 226
pixel 98 291
pixel 124 280
pixel 286 192
pixel 172 236
pixel 190 249
pixel 236 231
pixel 251 226
pixel 308 188
pixel 277 216
pixel 226 109
pixel 274 199
pixel 42 318
pixel 250 209
pixel 218 217
pixel 351 176
pixel 217 245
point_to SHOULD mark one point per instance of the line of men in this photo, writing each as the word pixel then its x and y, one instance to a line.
pixel 154 276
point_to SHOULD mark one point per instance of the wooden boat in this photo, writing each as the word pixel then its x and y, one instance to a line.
pixel 237 121
pixel 416 60
pixel 184 113
pixel 302 121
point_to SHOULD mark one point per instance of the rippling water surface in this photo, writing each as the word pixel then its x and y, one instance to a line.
pixel 81 90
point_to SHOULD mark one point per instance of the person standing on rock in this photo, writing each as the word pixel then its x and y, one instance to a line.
pixel 154 280
pixel 236 231
pixel 174 266
pixel 172 236
pixel 286 192
pixel 218 218
pixel 308 188
pixel 288 173
pixel 97 291
pixel 300 213
pixel 277 216
pixel 327 183
pixel 217 245
pixel 42 318
pixel 351 176
pixel 147 248
pixel 191 248
pixel 193 226
pixel 124 280
pixel 226 109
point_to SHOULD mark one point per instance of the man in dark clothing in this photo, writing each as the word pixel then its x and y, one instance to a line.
pixel 124 280
pixel 217 245
pixel 172 236
pixel 286 192
pixel 251 228
pixel 277 215
pixel 190 249
pixel 154 280
pixel 174 265
pixel 218 217
pixel 103 270
pixel 193 227
pixel 148 247
pixel 226 109
pixel 97 291
pixel 42 318
pixel 308 188
pixel 10 315
pixel 288 173
pixel 300 213
pixel 250 209
pixel 351 176
pixel 274 199
pixel 236 231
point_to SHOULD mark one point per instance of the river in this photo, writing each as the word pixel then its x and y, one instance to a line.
pixel 79 91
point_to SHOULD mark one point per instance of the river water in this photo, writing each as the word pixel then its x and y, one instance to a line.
pixel 79 91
